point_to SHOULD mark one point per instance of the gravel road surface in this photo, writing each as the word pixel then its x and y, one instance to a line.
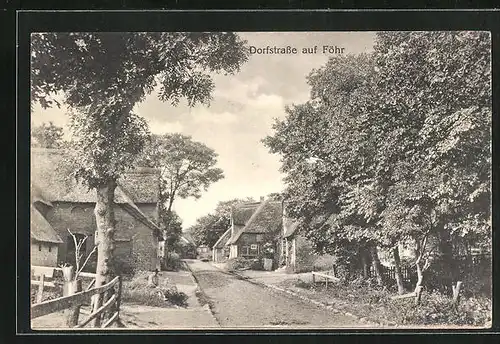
pixel 238 303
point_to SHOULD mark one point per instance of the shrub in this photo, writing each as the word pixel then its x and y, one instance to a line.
pixel 137 290
pixel 302 284
pixel 48 294
pixel 173 262
pixel 436 308
pixel 239 263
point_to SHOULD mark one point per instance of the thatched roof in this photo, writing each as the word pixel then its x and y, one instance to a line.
pixel 40 228
pixel 267 218
pixel 51 174
pixel 223 239
pixel 51 181
pixel 241 213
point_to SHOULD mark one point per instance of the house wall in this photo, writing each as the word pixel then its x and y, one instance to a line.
pixel 248 239
pixel 233 251
pixel 44 253
pixel 136 246
pixel 301 256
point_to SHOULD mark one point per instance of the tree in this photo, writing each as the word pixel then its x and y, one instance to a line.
pixel 186 167
pixel 47 136
pixel 208 229
pixel 174 223
pixel 101 77
pixel 394 147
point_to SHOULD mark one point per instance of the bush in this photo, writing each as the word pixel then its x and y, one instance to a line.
pixel 436 308
pixel 137 290
pixel 304 285
pixel 173 262
pixel 48 294
pixel 365 299
pixel 239 263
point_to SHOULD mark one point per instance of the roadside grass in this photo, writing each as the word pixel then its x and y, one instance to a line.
pixel 137 291
pixel 375 304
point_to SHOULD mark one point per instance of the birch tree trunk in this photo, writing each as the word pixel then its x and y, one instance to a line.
pixel 105 219
pixel 420 275
pixel 364 263
pixel 376 265
pixel 397 270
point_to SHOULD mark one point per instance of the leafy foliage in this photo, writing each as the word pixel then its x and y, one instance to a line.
pixel 47 136
pixel 173 232
pixel 102 76
pixel 187 167
pixel 208 229
pixel 393 146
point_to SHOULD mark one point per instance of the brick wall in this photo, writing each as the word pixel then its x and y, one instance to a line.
pixel 136 245
pixel 44 254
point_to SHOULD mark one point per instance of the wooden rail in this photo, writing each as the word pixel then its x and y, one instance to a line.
pixel 325 276
pixel 98 312
pixel 51 306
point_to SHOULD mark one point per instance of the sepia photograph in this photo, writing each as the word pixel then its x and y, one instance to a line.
pixel 260 180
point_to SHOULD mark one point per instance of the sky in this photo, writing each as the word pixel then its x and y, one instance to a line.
pixel 241 114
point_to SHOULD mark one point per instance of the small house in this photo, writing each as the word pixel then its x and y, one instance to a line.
pixel 254 226
pixel 296 251
pixel 45 241
pixel 70 205
pixel 220 252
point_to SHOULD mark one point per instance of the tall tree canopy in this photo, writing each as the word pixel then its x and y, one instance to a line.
pixel 208 229
pixel 186 167
pixel 102 76
pixel 394 146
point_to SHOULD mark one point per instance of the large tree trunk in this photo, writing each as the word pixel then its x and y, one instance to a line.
pixel 448 271
pixel 377 267
pixel 105 220
pixel 365 263
pixel 397 270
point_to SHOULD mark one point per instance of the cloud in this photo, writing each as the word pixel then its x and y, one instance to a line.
pixel 158 127
pixel 204 115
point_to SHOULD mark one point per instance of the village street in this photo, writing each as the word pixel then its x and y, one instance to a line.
pixel 239 303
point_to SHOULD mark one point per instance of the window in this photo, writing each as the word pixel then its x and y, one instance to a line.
pixel 50 248
pixel 250 250
pixel 39 247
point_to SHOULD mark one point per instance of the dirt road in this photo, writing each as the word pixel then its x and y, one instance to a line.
pixel 237 303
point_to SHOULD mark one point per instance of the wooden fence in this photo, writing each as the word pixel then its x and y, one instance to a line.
pixel 109 311
pixel 465 265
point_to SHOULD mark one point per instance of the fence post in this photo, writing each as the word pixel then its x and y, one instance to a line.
pixel 119 297
pixel 71 287
pixel 39 295
pixel 314 278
